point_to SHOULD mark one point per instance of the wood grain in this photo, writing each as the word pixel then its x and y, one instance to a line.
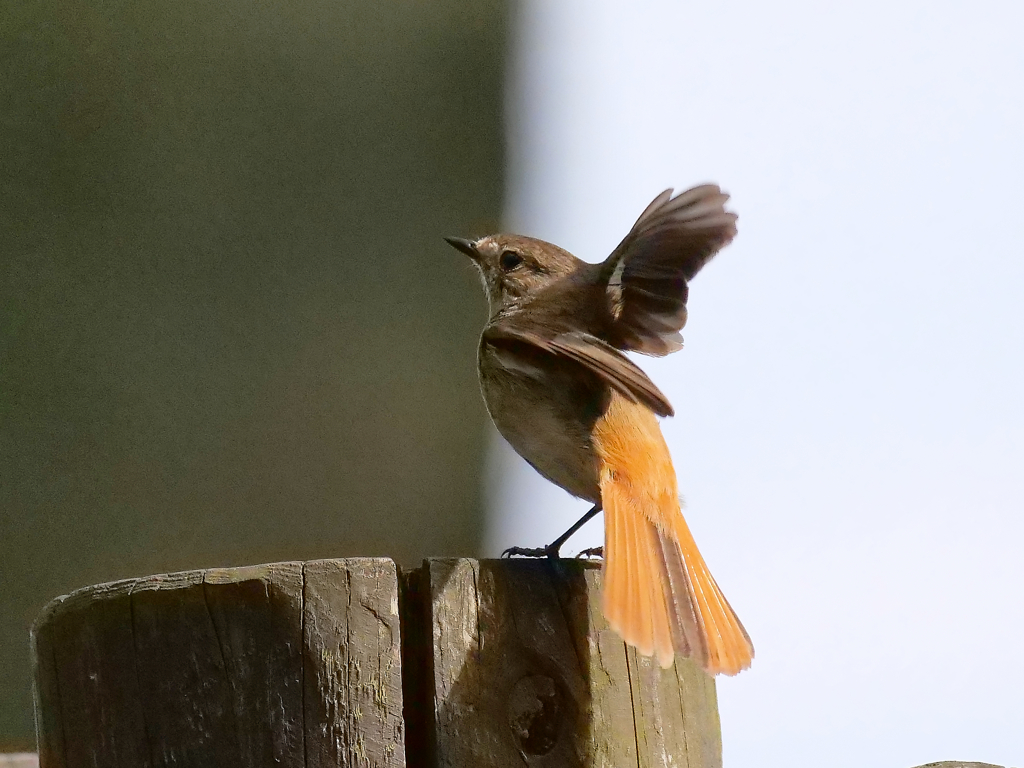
pixel 526 671
pixel 353 686
pixel 289 664
pixel 256 615
pixel 300 665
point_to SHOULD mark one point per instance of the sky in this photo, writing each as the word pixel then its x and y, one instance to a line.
pixel 849 435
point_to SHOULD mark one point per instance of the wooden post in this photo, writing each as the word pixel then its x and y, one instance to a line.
pixel 457 664
pixel 291 664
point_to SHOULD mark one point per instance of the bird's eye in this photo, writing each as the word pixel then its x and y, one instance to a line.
pixel 510 260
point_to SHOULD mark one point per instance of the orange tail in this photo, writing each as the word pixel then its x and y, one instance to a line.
pixel 658 593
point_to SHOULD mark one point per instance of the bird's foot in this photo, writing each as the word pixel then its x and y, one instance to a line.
pixel 592 552
pixel 550 551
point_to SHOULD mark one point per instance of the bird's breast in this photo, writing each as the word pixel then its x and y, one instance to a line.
pixel 546 412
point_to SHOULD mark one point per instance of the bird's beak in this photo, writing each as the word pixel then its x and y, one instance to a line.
pixel 468 247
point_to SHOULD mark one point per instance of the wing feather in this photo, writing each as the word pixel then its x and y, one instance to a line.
pixel 599 357
pixel 647 275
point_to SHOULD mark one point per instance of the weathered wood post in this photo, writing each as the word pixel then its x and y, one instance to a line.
pixel 457 664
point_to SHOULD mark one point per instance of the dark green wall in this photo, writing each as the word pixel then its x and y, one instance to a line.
pixel 231 332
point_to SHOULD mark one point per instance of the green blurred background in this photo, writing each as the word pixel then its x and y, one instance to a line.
pixel 231 332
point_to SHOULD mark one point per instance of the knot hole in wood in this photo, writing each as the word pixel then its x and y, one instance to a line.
pixel 536 714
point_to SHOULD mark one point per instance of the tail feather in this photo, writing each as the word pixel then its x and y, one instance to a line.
pixel 639 569
pixel 658 592
pixel 661 618
pixel 726 646
pixel 650 625
pixel 684 619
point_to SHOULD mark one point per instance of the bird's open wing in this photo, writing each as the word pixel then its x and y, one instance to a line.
pixel 519 348
pixel 647 274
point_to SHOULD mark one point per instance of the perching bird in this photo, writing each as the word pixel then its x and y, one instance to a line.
pixel 582 414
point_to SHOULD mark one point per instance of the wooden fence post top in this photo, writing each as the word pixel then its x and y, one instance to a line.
pixel 348 663
pixel 527 672
pixel 290 664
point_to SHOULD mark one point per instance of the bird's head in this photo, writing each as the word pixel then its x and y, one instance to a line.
pixel 514 268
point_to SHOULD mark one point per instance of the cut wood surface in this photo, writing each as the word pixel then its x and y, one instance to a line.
pixel 458 664
pixel 289 664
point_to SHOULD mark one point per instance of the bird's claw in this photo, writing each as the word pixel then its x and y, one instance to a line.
pixel 591 552
pixel 548 551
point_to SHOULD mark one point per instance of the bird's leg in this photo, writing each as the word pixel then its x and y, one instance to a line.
pixel 551 550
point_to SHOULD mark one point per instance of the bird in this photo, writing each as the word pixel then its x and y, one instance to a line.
pixel 561 391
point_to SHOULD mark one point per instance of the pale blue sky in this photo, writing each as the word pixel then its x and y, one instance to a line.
pixel 850 428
